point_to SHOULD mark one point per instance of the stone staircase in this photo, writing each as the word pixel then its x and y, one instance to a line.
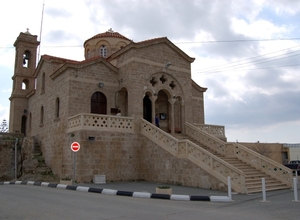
pixel 253 179
pixel 34 167
pixel 222 159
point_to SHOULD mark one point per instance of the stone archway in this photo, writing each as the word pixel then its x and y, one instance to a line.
pixel 98 103
pixel 122 101
pixel 162 108
pixel 147 108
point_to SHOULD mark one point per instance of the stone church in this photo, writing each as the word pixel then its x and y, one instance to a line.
pixel 109 102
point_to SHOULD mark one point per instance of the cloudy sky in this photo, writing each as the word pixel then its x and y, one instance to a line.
pixel 247 51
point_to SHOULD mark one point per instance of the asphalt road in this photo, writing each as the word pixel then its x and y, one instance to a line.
pixel 38 202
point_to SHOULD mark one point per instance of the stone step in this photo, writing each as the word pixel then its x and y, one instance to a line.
pixel 253 176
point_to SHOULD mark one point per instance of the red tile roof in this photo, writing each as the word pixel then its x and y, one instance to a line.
pixel 109 33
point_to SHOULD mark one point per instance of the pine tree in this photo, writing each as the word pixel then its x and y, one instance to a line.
pixel 4 126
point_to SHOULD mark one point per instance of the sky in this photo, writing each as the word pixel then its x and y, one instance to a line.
pixel 247 52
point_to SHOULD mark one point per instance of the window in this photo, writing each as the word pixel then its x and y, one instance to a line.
pixel 23 125
pixel 98 103
pixel 26 58
pixel 103 51
pixel 30 118
pixel 88 54
pixel 57 108
pixel 43 83
pixel 25 84
pixel 42 115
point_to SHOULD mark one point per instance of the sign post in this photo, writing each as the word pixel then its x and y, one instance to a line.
pixel 75 146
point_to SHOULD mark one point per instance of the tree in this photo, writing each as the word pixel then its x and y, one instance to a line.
pixel 263 150
pixel 4 126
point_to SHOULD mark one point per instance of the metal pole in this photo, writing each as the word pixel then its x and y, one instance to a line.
pixel 229 188
pixel 16 158
pixel 295 189
pixel 264 189
pixel 74 166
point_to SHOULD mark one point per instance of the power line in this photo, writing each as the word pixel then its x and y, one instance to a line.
pixel 234 41
pixel 219 66
pixel 250 61
pixel 189 42
pixel 238 66
pixel 239 70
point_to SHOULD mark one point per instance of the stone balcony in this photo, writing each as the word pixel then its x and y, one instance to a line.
pixel 98 122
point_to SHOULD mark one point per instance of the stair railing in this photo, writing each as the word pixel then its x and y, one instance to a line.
pixel 201 157
pixel 262 163
pixel 208 140
pixel 254 159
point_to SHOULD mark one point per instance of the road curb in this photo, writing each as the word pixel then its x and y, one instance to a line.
pixel 121 192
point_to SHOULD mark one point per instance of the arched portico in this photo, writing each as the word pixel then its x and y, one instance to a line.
pixel 163 95
pixel 167 107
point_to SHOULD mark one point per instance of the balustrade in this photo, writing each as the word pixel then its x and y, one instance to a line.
pixel 100 122
pixel 187 149
pixel 260 162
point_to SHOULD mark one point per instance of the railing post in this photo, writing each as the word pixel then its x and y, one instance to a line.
pixel 81 120
pixel 264 189
pixel 229 188
pixel 295 189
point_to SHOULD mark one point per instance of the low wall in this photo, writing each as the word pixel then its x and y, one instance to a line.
pixel 7 156
pixel 131 156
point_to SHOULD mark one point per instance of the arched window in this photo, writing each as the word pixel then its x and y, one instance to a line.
pixel 25 84
pixel 30 118
pixel 23 125
pixel 42 115
pixel 57 108
pixel 26 58
pixel 43 83
pixel 88 54
pixel 103 51
pixel 98 103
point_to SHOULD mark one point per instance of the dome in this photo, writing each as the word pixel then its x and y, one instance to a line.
pixel 104 44
pixel 108 34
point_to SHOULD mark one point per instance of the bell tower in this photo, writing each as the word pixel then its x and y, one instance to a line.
pixel 23 80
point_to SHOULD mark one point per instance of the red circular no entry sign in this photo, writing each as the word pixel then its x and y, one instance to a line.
pixel 75 146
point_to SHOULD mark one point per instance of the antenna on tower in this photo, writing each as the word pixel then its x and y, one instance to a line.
pixel 41 31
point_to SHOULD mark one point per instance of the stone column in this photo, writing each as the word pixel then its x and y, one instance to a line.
pixel 182 109
pixel 172 101
pixel 153 99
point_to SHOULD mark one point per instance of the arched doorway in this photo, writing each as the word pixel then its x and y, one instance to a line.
pixel 147 108
pixel 98 103
pixel 162 108
pixel 23 125
pixel 122 101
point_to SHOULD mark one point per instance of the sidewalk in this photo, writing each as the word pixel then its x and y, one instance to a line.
pixel 150 188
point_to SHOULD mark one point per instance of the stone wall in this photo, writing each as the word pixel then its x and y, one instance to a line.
pixel 270 150
pixel 131 156
pixel 7 156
